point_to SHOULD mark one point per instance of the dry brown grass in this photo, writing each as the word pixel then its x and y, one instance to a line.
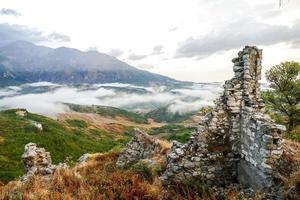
pixel 97 179
pixel 165 146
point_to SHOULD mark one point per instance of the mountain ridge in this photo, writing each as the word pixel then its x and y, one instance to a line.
pixel 24 62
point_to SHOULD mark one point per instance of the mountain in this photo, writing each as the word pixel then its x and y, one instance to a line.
pixel 22 62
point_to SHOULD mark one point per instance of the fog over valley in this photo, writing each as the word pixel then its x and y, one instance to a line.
pixel 49 98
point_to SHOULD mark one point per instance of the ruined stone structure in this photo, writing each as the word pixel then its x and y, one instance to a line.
pixel 36 162
pixel 235 143
pixel 143 147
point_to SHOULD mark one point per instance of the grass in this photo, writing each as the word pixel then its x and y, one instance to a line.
pixel 293 134
pixel 109 111
pixel 62 140
pixel 77 123
pixel 99 178
pixel 171 132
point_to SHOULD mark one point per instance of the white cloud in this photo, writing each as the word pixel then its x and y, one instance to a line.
pixel 182 107
pixel 244 31
pixel 115 52
pixel 41 84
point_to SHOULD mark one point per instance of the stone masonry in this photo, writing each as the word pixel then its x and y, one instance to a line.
pixel 236 142
pixel 143 147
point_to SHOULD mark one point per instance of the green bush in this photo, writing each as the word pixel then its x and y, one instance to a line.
pixel 143 170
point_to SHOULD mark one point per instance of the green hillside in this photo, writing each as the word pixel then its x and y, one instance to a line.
pixel 62 140
pixel 109 111
pixel 164 115
pixel 175 132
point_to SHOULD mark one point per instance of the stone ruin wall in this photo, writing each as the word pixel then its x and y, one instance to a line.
pixel 260 148
pixel 235 142
pixel 143 147
pixel 36 162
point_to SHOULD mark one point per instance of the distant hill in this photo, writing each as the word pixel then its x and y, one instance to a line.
pixel 22 62
pixel 109 111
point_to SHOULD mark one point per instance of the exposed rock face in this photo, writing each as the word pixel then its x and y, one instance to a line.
pixel 236 141
pixel 142 147
pixel 36 161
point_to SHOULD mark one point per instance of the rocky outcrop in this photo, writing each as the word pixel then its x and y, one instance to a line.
pixel 36 162
pixel 143 147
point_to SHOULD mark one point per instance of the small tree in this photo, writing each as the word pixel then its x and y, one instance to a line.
pixel 284 96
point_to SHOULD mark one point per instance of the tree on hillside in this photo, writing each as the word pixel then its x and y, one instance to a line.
pixel 284 96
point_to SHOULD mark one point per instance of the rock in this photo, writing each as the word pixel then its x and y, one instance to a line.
pixel 38 125
pixel 83 158
pixel 36 161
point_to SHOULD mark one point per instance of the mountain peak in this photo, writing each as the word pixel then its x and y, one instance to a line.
pixel 32 63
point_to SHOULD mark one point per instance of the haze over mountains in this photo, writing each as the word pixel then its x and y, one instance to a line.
pixel 24 62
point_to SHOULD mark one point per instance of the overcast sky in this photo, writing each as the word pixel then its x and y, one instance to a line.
pixel 192 40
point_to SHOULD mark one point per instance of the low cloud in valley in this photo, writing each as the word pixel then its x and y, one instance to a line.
pixel 126 96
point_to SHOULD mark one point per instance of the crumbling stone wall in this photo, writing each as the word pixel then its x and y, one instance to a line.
pixel 143 146
pixel 36 162
pixel 236 141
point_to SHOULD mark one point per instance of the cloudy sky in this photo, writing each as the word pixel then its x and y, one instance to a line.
pixel 191 40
